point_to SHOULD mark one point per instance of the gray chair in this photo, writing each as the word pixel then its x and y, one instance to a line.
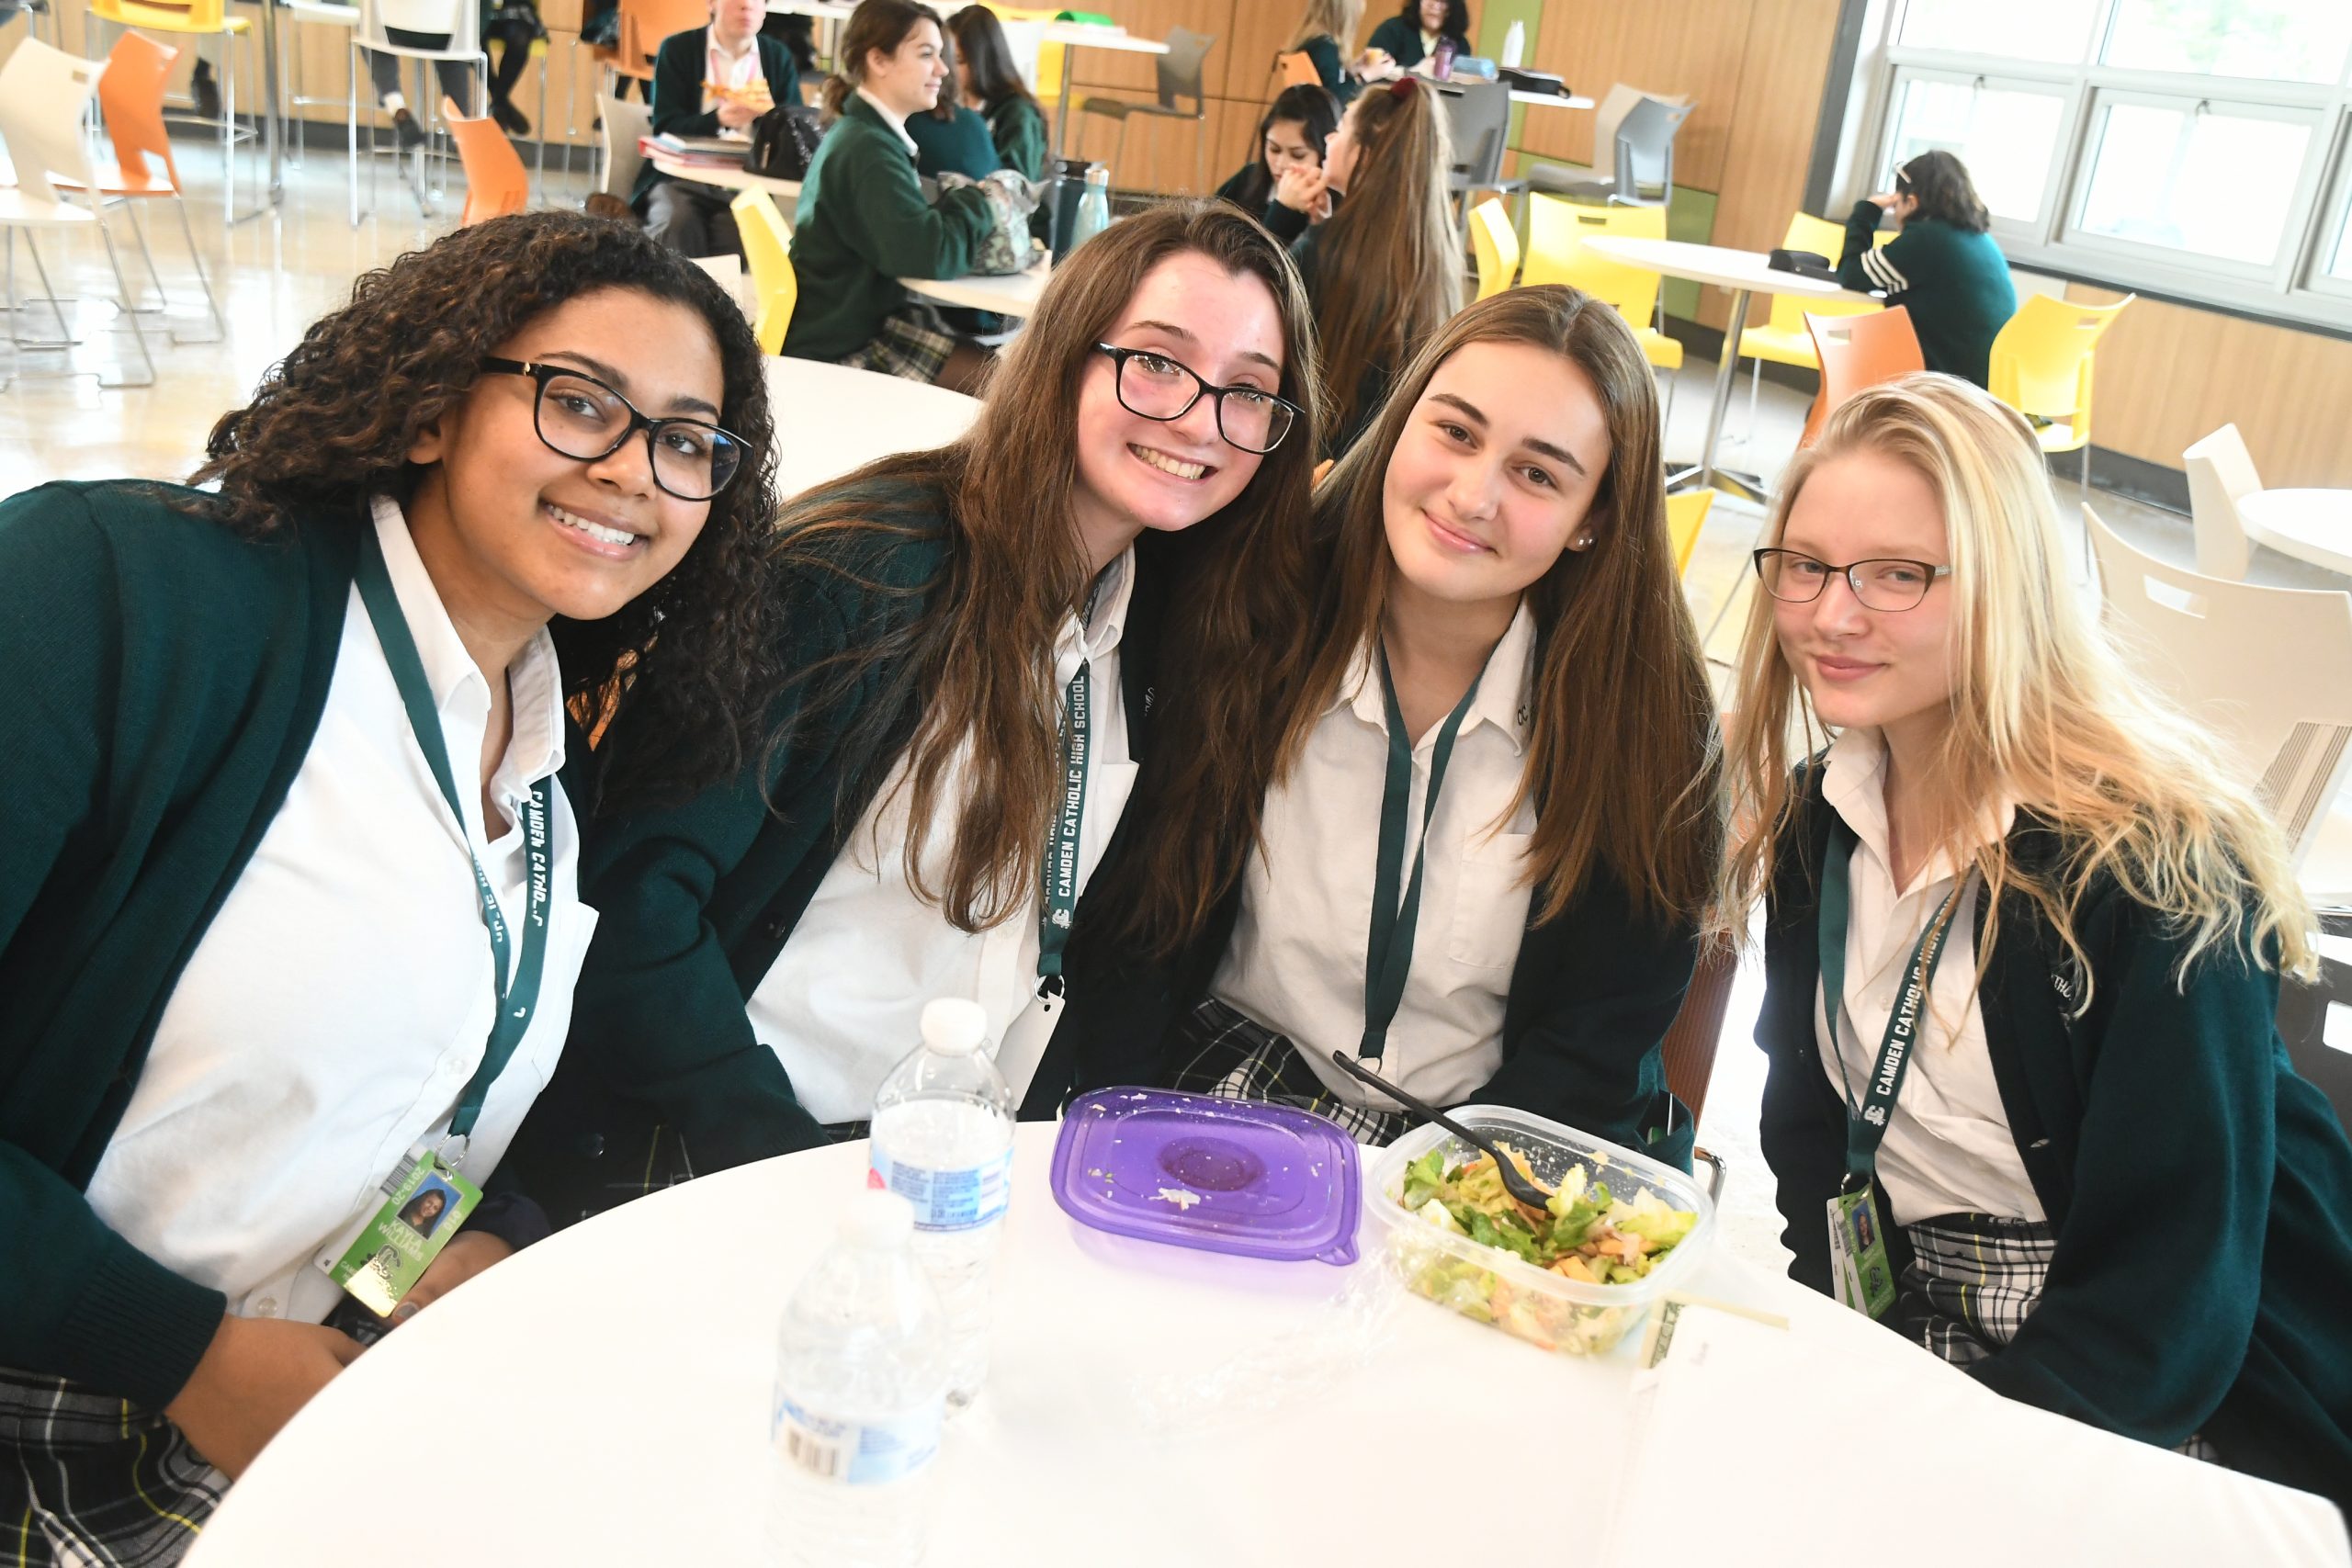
pixel 1641 151
pixel 2302 1020
pixel 1179 71
pixel 1479 122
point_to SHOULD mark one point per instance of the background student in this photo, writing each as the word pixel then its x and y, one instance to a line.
pixel 266 752
pixel 1136 480
pixel 1412 35
pixel 1297 126
pixel 1384 271
pixel 1327 32
pixel 1942 266
pixel 2100 1186
pixel 988 79
pixel 862 222
pixel 950 137
pixel 710 82
pixel 514 26
pixel 1490 746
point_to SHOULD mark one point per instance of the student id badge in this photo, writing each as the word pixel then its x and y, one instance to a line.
pixel 426 1203
pixel 1858 1265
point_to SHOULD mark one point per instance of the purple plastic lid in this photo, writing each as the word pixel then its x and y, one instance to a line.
pixel 1238 1176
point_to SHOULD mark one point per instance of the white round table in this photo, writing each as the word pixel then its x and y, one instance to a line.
pixel 830 419
pixel 729 176
pixel 1007 294
pixel 2313 525
pixel 1743 273
pixel 603 1398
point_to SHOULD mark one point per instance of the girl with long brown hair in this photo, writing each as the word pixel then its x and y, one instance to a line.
pixel 972 634
pixel 1478 856
pixel 1385 270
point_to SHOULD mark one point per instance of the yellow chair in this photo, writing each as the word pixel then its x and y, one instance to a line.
pixel 1783 339
pixel 198 19
pixel 1496 244
pixel 2042 367
pixel 1557 253
pixel 1685 514
pixel 767 244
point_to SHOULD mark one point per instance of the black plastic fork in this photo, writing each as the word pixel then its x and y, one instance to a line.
pixel 1517 1185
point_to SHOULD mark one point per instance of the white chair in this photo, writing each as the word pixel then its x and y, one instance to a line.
pixel 344 17
pixel 44 98
pixel 461 21
pixel 2270 669
pixel 623 121
pixel 2221 474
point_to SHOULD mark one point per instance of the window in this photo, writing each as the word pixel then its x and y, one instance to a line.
pixel 2288 40
pixel 2007 138
pixel 2194 178
pixel 2054 30
pixel 2342 265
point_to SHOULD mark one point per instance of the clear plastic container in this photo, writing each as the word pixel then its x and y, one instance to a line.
pixel 1545 1309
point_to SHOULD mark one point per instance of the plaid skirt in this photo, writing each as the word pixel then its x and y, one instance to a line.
pixel 914 343
pixel 662 1163
pixel 1972 1281
pixel 89 1481
pixel 1234 1057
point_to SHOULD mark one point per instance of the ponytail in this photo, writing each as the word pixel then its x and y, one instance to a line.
pixel 874 25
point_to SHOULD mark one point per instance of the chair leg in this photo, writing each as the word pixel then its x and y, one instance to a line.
pixel 138 232
pixel 351 105
pixel 1755 390
pixel 49 292
pixel 228 132
pixel 196 260
pixel 138 332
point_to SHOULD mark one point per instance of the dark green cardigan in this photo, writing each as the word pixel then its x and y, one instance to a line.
pixel 165 678
pixel 677 92
pixel 1018 128
pixel 861 225
pixel 2200 1190
pixel 1402 39
pixel 959 145
pixel 1324 50
pixel 1956 285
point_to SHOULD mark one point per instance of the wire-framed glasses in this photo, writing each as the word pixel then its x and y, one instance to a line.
pixel 1796 578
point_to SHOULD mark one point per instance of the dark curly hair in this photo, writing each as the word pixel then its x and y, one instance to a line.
pixel 331 424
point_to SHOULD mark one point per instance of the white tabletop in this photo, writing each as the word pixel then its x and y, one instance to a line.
pixel 603 1398
pixel 2314 525
pixel 824 10
pixel 1551 100
pixel 728 176
pixel 1007 294
pixel 830 419
pixel 1750 271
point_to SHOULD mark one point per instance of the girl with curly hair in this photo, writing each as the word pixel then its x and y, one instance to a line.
pixel 291 804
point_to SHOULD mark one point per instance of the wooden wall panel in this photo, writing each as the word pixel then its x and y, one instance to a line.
pixel 1691 47
pixel 1783 71
pixel 1260 27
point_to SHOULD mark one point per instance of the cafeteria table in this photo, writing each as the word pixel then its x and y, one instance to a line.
pixel 604 1398
pixel 2313 525
pixel 1007 294
pixel 728 176
pixel 830 419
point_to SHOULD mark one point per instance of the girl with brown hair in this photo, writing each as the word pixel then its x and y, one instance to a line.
pixel 973 636
pixel 1478 857
pixel 988 79
pixel 1325 34
pixel 1385 270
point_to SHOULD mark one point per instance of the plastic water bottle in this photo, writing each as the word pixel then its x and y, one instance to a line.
pixel 1515 44
pixel 1093 207
pixel 943 1140
pixel 861 1390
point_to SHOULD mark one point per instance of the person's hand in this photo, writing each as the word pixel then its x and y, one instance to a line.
pixel 1375 65
pixel 737 113
pixel 254 1375
pixel 1304 189
pixel 467 1253
pixel 1895 206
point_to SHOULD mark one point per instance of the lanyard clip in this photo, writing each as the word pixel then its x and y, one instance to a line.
pixel 1050 986
pixel 453 1150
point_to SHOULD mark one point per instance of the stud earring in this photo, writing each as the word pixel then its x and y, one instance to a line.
pixel 1584 541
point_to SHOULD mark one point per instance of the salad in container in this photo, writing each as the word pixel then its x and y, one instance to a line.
pixel 1574 1278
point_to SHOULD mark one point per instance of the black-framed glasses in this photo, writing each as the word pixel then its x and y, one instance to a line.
pixel 579 416
pixel 1796 578
pixel 1157 386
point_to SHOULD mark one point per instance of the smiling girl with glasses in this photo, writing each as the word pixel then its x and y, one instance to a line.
pixel 290 822
pixel 2027 1100
pixel 1095 561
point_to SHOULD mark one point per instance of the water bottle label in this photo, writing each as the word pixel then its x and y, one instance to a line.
pixel 853 1453
pixel 948 1199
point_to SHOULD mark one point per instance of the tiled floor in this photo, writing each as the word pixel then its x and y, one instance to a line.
pixel 276 274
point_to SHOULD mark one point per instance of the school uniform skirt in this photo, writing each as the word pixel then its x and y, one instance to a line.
pixel 91 1481
pixel 1229 1055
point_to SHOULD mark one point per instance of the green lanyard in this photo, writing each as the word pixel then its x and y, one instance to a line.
pixel 1388 953
pixel 1866 1119
pixel 1059 902
pixel 515 1001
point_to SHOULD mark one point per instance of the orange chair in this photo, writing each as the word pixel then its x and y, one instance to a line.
pixel 1858 352
pixel 643 25
pixel 1296 69
pixel 496 182
pixel 130 98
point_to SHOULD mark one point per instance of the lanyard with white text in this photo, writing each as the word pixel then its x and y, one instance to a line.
pixel 1388 953
pixel 1059 902
pixel 1866 1119
pixel 515 1000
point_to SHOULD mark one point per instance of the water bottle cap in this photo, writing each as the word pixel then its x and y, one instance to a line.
pixel 877 1218
pixel 954 1026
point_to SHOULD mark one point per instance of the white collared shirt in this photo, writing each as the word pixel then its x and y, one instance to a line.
pixel 335 1007
pixel 726 70
pixel 1948 1147
pixel 842 1002
pixel 1297 961
pixel 892 118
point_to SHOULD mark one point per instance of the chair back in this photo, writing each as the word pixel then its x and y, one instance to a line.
pixel 1823 238
pixel 496 182
pixel 1296 69
pixel 727 271
pixel 1180 70
pixel 1645 152
pixel 459 20
pixel 2041 360
pixel 166 16
pixel 2221 474
pixel 1613 106
pixel 1685 514
pixel 645 23
pixel 1496 243
pixel 1855 352
pixel 44 94
pixel 768 242
pixel 1697 1028
pixel 2268 671
pixel 1478 123
pixel 624 121
pixel 130 100
pixel 1557 253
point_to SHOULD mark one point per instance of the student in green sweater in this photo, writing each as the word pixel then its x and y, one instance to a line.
pixel 1942 266
pixel 712 81
pixel 2096 1182
pixel 1326 33
pixel 988 79
pixel 1104 552
pixel 290 821
pixel 1292 136
pixel 950 137
pixel 1412 35
pixel 862 223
